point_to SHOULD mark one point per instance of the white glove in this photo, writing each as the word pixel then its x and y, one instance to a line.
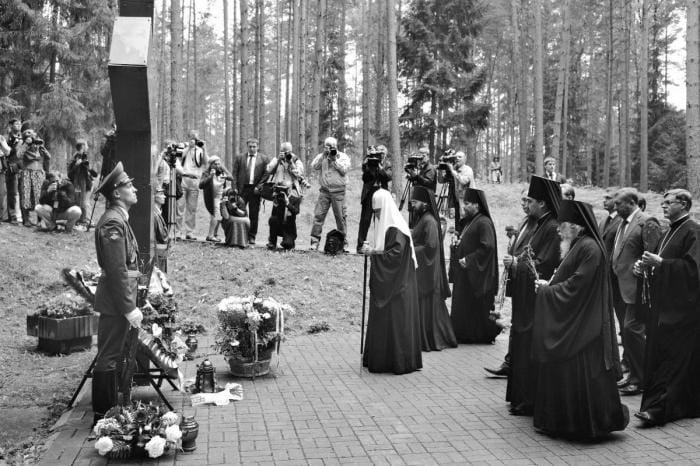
pixel 134 317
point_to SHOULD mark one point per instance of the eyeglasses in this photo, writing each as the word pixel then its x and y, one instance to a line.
pixel 668 203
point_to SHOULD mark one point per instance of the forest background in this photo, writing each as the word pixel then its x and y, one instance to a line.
pixel 586 82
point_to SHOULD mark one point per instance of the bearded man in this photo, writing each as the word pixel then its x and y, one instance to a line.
pixel 539 258
pixel 573 336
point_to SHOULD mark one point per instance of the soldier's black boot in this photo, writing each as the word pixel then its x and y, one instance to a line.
pixel 104 393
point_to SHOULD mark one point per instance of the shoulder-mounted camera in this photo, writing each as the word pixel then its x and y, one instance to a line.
pixel 413 161
pixel 449 158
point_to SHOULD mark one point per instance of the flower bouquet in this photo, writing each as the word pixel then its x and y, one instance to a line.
pixel 140 428
pixel 63 324
pixel 64 306
pixel 249 330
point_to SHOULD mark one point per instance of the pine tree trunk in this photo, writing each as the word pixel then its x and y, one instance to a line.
pixel 245 123
pixel 198 124
pixel 565 123
pixel 378 68
pixel 294 109
pixel 392 84
pixel 163 126
pixel 692 64
pixel 608 99
pixel 319 58
pixel 644 102
pixel 302 89
pixel 365 73
pixel 235 104
pixel 523 122
pixel 561 81
pixel 260 66
pixel 539 101
pixel 256 73
pixel 227 99
pixel 278 76
pixel 188 66
pixel 625 169
pixel 288 82
pixel 342 87
pixel 177 129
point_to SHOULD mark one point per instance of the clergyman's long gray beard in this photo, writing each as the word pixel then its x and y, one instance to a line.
pixel 564 247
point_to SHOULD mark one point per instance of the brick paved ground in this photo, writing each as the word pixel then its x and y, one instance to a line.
pixel 319 408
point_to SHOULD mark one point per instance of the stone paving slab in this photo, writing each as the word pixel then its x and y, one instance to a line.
pixel 318 407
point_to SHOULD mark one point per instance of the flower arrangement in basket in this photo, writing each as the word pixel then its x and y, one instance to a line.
pixel 64 306
pixel 140 428
pixel 249 325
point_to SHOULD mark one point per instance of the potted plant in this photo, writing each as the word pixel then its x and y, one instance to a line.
pixel 64 324
pixel 250 328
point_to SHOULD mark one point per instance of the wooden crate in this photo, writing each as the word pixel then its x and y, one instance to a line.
pixel 63 335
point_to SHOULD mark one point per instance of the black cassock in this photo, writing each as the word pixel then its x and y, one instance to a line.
pixel 544 243
pixel 436 328
pixel 574 348
pixel 476 284
pixel 671 387
pixel 393 341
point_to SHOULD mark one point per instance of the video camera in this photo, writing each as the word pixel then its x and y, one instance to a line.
pixel 199 142
pixel 374 156
pixel 413 161
pixel 448 159
pixel 174 151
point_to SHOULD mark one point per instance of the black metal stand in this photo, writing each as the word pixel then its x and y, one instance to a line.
pixel 152 375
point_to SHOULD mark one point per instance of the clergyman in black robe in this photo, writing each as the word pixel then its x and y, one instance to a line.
pixel 574 342
pixel 671 386
pixel 431 277
pixel 393 341
pixel 476 280
pixel 539 257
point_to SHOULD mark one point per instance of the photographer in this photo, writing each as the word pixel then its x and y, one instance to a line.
pixel 169 158
pixel 287 171
pixel 57 202
pixel 34 157
pixel 374 176
pixel 81 175
pixel 333 166
pixel 423 172
pixel 234 219
pixel 194 160
pixel 453 170
pixel 14 138
pixel 213 185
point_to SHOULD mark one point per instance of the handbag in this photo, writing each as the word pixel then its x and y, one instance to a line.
pixel 267 190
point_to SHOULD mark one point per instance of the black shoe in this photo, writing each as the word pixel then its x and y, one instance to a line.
pixel 502 371
pixel 631 389
pixel 648 419
pixel 623 382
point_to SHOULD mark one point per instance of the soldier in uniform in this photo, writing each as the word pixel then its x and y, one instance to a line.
pixel 115 298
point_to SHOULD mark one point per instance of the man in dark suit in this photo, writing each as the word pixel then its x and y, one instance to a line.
pixel 550 165
pixel 248 177
pixel 115 298
pixel 638 232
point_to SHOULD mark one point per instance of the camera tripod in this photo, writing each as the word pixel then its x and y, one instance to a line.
pixel 406 191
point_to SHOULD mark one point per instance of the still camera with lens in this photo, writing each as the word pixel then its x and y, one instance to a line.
pixel 448 159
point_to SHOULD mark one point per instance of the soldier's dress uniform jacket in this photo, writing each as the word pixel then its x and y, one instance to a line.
pixel 117 255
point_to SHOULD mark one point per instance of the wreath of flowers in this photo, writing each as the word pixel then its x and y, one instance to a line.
pixel 126 431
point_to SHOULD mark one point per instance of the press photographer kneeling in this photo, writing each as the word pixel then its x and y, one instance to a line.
pixel 57 203
pixel 288 180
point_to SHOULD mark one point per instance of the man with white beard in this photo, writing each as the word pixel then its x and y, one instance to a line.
pixel 573 336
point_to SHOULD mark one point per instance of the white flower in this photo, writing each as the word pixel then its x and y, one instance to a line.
pixel 104 445
pixel 267 315
pixel 156 330
pixel 156 446
pixel 170 418
pixel 173 433
pixel 235 343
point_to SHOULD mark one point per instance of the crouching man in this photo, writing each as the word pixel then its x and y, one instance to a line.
pixel 57 202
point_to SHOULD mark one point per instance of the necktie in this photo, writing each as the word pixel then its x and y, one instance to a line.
pixel 250 166
pixel 618 238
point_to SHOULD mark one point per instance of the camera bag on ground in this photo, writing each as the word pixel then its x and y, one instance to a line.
pixel 335 241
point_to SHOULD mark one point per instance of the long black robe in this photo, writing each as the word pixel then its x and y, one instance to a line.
pixel 436 328
pixel 544 244
pixel 393 342
pixel 671 387
pixel 476 284
pixel 577 360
